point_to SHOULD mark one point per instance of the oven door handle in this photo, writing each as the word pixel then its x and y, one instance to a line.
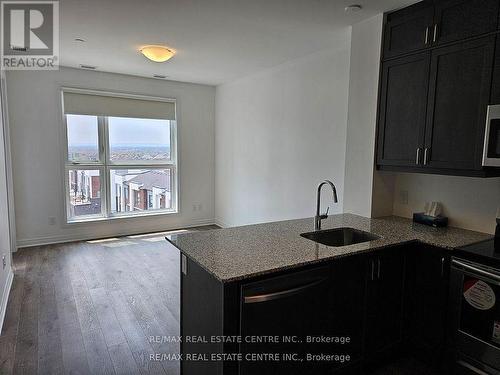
pixel 476 270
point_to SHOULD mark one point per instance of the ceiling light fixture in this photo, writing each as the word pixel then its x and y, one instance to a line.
pixel 353 8
pixel 157 53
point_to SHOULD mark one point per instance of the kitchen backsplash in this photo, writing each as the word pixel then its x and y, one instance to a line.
pixel 470 203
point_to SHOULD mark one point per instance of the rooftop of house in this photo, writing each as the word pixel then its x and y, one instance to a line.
pixel 154 178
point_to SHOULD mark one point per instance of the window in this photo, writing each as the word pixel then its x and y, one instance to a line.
pixel 84 192
pixel 83 143
pixel 121 156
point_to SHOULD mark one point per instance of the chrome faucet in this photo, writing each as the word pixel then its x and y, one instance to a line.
pixel 319 217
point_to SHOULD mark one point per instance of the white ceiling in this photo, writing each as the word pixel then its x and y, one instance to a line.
pixel 216 40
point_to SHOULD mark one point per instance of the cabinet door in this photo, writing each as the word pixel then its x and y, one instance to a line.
pixel 384 304
pixel 201 316
pixel 461 19
pixel 495 84
pixel 408 30
pixel 458 98
pixel 347 308
pixel 427 272
pixel 402 110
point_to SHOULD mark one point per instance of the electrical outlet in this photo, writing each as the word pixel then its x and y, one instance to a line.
pixel 4 261
pixel 200 207
pixel 52 220
pixel 195 207
pixel 403 196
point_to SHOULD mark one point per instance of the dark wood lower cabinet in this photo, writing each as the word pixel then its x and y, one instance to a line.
pixel 384 305
pixel 202 316
pixel 387 303
pixel 348 305
pixel 426 296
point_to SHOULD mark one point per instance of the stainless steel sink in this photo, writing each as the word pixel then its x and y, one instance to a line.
pixel 340 236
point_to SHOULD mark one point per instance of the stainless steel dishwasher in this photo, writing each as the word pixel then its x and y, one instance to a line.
pixel 277 315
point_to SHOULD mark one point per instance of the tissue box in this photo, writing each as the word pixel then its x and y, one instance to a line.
pixel 433 221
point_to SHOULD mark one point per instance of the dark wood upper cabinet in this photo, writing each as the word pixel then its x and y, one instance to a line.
pixel 403 110
pixel 495 84
pixel 460 81
pixel 434 23
pixel 440 70
pixel 408 30
pixel 460 19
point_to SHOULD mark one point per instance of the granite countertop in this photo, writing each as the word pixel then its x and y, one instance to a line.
pixel 242 252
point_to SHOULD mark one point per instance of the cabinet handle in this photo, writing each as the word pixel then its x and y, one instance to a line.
pixel 373 270
pixel 426 42
pixel 442 267
pixel 183 264
pixel 426 151
pixel 435 34
pixel 378 269
pixel 417 161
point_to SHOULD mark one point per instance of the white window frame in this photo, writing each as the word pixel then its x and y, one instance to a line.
pixel 104 165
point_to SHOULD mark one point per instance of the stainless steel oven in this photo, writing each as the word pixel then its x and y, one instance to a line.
pixel 475 318
pixel 491 151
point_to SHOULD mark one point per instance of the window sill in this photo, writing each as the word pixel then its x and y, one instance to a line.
pixel 120 217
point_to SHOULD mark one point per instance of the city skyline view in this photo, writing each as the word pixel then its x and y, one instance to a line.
pixel 122 152
pixel 129 138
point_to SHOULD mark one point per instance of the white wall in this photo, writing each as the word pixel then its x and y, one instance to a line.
pixel 469 203
pixel 278 134
pixel 36 126
pixel 360 184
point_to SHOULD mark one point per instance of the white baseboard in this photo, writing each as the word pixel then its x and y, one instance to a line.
pixel 50 240
pixel 221 223
pixel 5 297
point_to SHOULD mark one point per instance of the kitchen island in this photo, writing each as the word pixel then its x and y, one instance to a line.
pixel 265 286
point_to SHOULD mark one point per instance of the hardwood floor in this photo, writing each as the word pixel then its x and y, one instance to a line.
pixel 91 307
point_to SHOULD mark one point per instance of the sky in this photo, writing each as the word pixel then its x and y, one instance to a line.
pixel 82 130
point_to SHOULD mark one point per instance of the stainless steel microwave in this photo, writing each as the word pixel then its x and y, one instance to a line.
pixel 491 151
